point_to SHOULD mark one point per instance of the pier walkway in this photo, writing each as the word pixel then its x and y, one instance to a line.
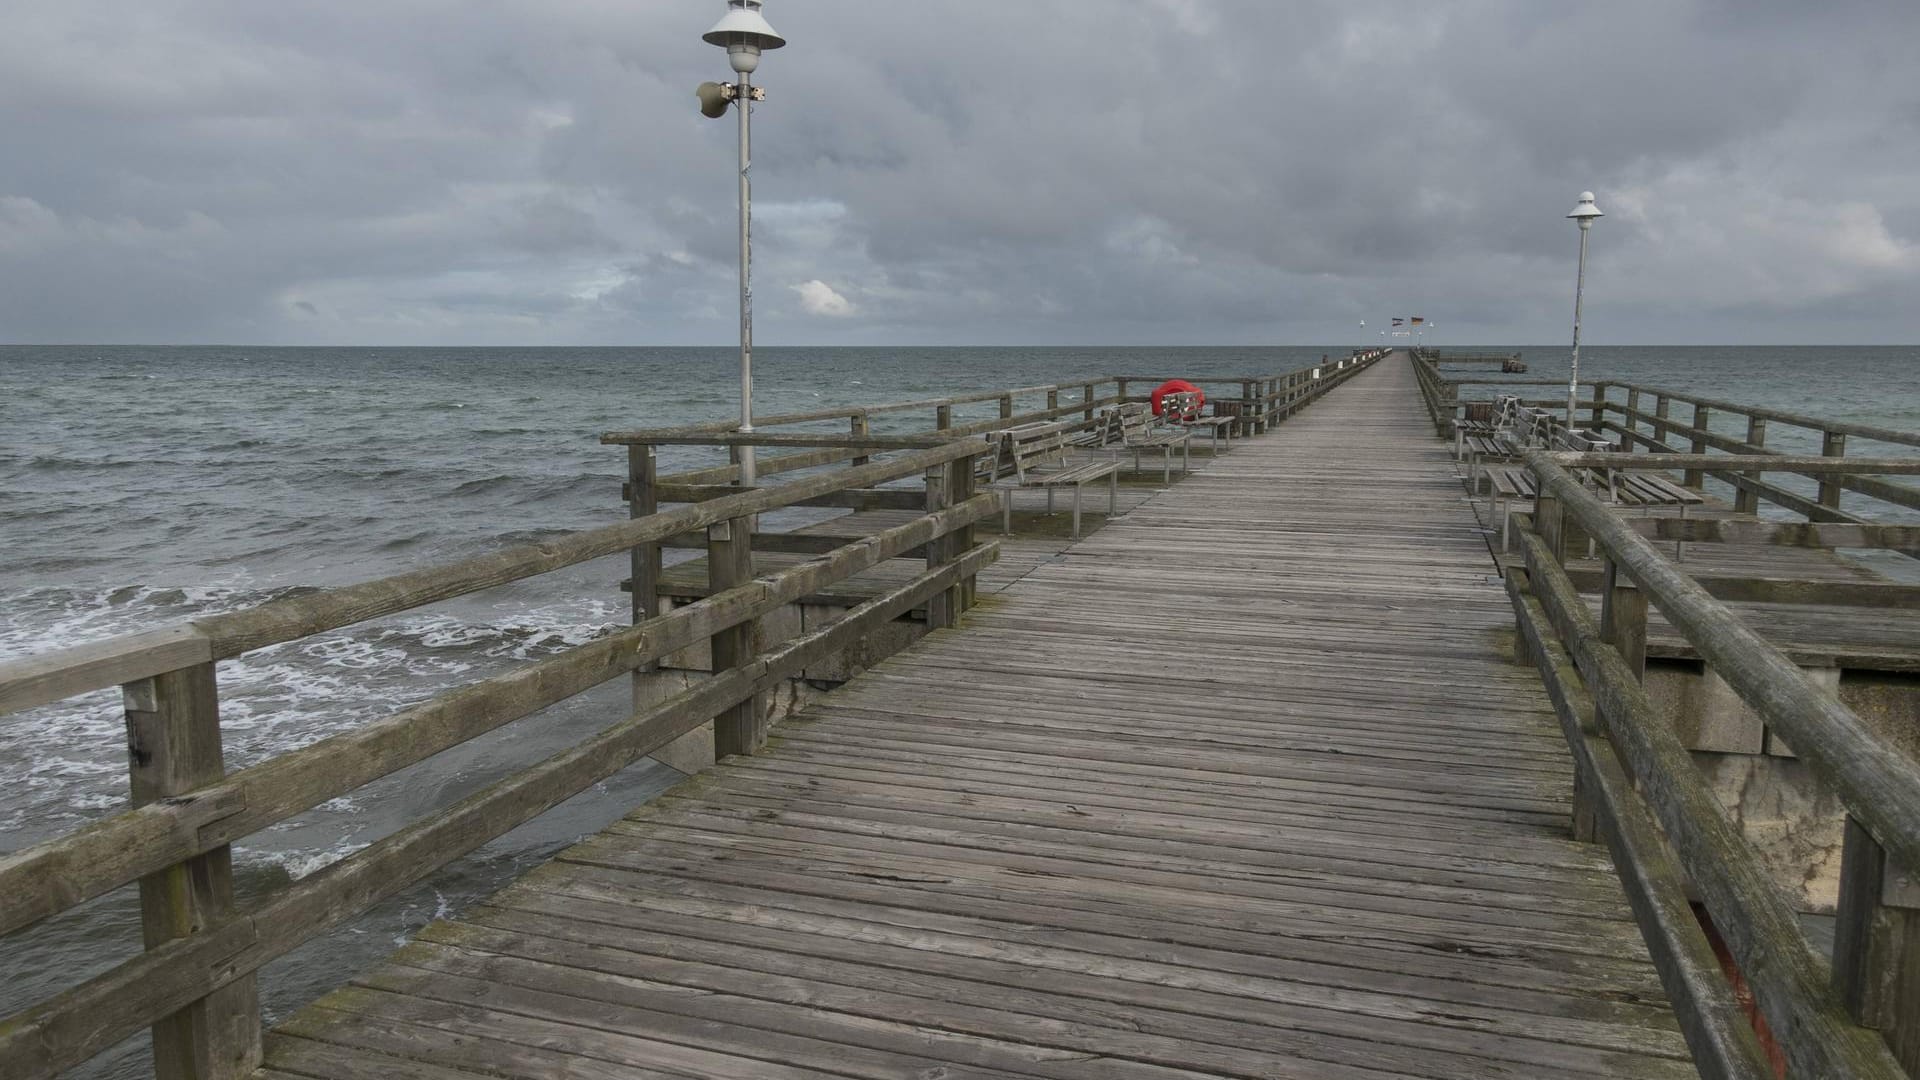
pixel 1244 784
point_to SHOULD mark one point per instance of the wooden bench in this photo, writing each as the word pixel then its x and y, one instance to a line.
pixel 1512 484
pixel 1184 408
pixel 1508 485
pixel 1037 455
pixel 1139 434
pixel 1104 432
pixel 1466 430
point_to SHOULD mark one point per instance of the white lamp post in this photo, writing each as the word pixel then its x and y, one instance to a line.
pixel 744 33
pixel 1582 216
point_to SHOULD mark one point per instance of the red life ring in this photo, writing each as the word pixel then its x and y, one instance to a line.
pixel 1174 386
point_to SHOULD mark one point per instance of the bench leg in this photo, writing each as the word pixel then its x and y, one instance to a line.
pixel 1076 510
pixel 1166 466
pixel 1113 494
pixel 1680 544
pixel 1006 513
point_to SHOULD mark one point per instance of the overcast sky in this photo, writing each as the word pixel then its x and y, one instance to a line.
pixel 959 171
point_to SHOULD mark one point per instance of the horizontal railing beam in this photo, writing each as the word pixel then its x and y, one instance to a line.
pixel 1740 589
pixel 769 466
pixel 52 876
pixel 68 1029
pixel 1711 1018
pixel 1740 463
pixel 1782 534
pixel 1870 774
pixel 1799 420
pixel 1790 981
pixel 62 673
pixel 780 439
pixel 278 621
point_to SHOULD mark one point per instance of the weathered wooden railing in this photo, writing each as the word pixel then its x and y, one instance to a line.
pixel 194 984
pixel 1263 400
pixel 1637 789
pixel 1441 393
pixel 1661 432
pixel 1266 401
pixel 1749 491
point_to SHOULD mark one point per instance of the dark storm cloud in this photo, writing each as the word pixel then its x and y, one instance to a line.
pixel 957 170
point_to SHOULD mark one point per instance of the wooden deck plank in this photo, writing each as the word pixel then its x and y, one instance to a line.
pixel 1242 784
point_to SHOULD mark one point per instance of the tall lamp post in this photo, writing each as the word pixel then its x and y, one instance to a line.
pixel 1583 216
pixel 745 34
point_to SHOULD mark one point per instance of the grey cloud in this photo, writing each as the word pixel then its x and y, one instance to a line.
pixel 957 170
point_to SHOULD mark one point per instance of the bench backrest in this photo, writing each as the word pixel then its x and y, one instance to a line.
pixel 1583 441
pixel 1183 405
pixel 1106 426
pixel 1537 424
pixel 1031 447
pixel 1135 421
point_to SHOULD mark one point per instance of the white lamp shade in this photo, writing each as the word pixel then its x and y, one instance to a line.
pixel 1586 211
pixel 743 25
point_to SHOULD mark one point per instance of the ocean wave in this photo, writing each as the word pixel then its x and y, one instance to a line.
pixel 55 463
pixel 491 483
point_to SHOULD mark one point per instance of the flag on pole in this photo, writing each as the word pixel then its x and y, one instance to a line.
pixel 1399 322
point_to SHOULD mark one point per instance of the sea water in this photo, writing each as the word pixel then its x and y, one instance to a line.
pixel 142 486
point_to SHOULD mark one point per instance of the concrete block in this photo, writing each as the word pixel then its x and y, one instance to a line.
pixel 690 753
pixel 851 661
pixel 1795 822
pixel 1889 703
pixel 1703 709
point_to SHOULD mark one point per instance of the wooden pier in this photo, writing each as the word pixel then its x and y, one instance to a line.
pixel 1256 780
pixel 1243 785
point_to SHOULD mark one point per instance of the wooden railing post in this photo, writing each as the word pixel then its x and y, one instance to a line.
pixel 1053 401
pixel 960 488
pixel 1597 411
pixel 740 729
pixel 861 426
pixel 941 606
pixel 1256 418
pixel 643 501
pixel 1628 421
pixel 1086 395
pixel 1876 944
pixel 1623 618
pixel 1702 416
pixel 173 741
pixel 1661 408
pixel 1550 521
pixel 1744 501
pixel 1120 390
pixel 1832 444
pixel 1006 406
pixel 942 417
pixel 950 485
